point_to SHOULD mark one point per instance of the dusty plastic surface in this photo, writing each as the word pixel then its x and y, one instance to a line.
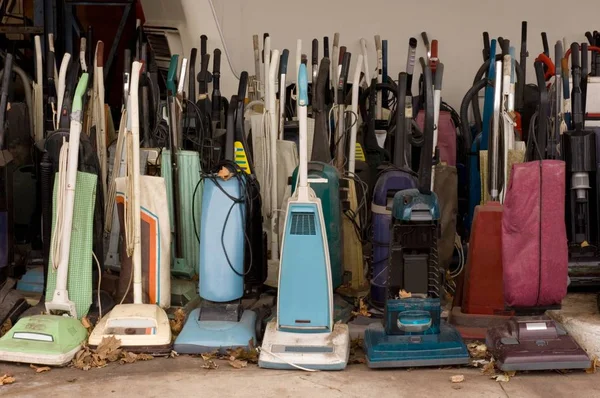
pixel 534 245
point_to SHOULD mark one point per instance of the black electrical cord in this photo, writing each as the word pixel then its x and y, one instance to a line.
pixel 245 200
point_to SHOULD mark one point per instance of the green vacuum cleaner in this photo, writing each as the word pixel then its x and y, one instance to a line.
pixel 55 339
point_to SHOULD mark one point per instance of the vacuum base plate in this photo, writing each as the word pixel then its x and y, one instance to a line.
pixel 319 351
pixel 399 351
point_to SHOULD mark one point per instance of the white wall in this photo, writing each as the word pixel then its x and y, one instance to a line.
pixel 456 24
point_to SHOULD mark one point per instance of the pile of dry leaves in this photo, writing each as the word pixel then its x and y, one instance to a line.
pixel 6 379
pixel 357 355
pixel 5 327
pixel 238 358
pixel 107 351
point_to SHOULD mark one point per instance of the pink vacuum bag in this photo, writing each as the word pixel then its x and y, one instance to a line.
pixel 534 237
pixel 446 136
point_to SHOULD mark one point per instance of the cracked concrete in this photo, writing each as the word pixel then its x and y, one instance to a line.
pixel 185 377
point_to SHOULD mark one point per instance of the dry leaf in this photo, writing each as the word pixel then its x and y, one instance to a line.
pixel 108 349
pixel 237 364
pixel 86 322
pixel 404 294
pixel 510 373
pixel 128 357
pixel 595 364
pixel 478 350
pixel 6 326
pixel 479 362
pixel 6 379
pixel 177 321
pixel 210 364
pixel 243 354
pixel 501 378
pixel 173 354
pixel 207 356
pixel 457 378
pixel 489 369
pixel 40 369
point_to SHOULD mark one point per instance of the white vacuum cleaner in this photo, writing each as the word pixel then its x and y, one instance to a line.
pixel 303 334
pixel 140 327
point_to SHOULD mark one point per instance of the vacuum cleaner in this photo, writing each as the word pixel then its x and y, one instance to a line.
pixel 55 339
pixel 221 323
pixel 303 334
pixel 140 327
pixel 412 333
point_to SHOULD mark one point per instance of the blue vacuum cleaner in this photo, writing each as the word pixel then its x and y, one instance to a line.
pixel 220 323
pixel 412 333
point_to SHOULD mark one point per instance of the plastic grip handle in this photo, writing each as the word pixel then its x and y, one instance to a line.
pixel 558 54
pixel 8 65
pixel 50 65
pixel 505 46
pixel 100 54
pixel 345 67
pixel 203 44
pixel 302 86
pixel 378 44
pixel 425 39
pixel 336 39
pixel 486 44
pixel 584 58
pixel 79 91
pixel 193 56
pixel 575 56
pixel 540 74
pixel 326 47
pixel 590 38
pixel 434 49
pixel 283 61
pixel 422 62
pixel 242 86
pixel 255 42
pixel 545 43
pixel 217 61
pixel 127 61
pixel 439 73
pixel 172 72
pixel 83 44
pixel 342 52
pixel 524 32
pixel 315 52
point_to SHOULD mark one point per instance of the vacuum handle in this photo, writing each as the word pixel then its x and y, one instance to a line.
pixel 242 86
pixel 265 35
pixel 217 62
pixel 315 52
pixel 584 60
pixel 439 72
pixel 590 37
pixel 192 74
pixel 505 45
pixel 283 62
pixel 326 47
pixel 8 64
pixel 203 45
pixel 545 44
pixel 203 75
pixel 171 74
pixel 486 46
pixel 343 78
pixel 341 57
pixel 426 42
pixel 50 68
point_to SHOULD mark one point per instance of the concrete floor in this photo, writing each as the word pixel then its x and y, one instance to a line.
pixel 184 377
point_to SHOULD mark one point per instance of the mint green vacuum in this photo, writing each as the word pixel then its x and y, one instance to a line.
pixel 55 339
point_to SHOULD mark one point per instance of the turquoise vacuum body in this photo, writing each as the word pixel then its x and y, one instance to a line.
pixel 413 333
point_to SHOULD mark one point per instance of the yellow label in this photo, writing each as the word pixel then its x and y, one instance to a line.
pixel 240 157
pixel 359 154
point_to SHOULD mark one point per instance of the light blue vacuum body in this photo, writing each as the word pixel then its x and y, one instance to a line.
pixel 219 323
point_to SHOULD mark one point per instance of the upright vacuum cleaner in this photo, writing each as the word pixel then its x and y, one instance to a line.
pixel 55 339
pixel 140 327
pixel 303 334
pixel 220 323
pixel 412 333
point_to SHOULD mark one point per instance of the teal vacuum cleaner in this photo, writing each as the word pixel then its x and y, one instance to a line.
pixel 303 334
pixel 412 333
pixel 220 323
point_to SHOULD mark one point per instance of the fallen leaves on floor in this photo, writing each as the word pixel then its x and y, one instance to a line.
pixel 357 355
pixel 478 350
pixel 177 321
pixel 363 309
pixel 237 364
pixel 130 357
pixel 248 355
pixel 595 363
pixel 210 364
pixel 501 378
pixel 457 378
pixel 6 379
pixel 404 294
pixel 489 369
pixel 6 326
pixel 40 369
pixel 173 354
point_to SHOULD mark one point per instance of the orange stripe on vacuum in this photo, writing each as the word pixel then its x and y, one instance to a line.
pixel 152 256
